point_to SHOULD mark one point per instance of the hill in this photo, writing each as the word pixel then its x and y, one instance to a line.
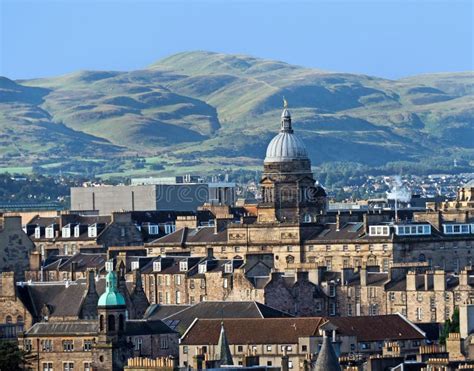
pixel 200 111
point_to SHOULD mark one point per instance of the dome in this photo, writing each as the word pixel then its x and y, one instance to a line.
pixel 111 297
pixel 285 146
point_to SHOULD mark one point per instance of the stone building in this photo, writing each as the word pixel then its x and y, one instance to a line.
pixel 15 246
pixel 104 341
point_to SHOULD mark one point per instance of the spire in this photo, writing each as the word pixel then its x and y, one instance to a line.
pixel 327 359
pixel 286 118
pixel 223 349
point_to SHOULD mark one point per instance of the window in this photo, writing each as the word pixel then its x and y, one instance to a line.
pixel 332 290
pixel 269 348
pixel 332 309
pixel 164 343
pixel 185 349
pixel 153 229
pixel 27 346
pixel 77 231
pixel 68 366
pixel 240 348
pixel 66 231
pixel 225 283
pixel 365 346
pixel 138 342
pixel 177 279
pixel 202 268
pixel 183 266
pixel 304 348
pixel 269 363
pixel 169 228
pixel 328 263
pixel 48 366
pixel 345 263
pixel 228 268
pixel 157 266
pixel 160 297
pixel 178 297
pixel 87 346
pixel 290 364
pixel 87 366
pixel 167 280
pixel 92 230
pixel 47 345
pixel 135 265
pixel 349 309
pixel 167 297
pixel 289 248
pixel 373 310
pixel 419 314
pixel 392 296
pixel 68 345
pixel 50 231
pixel 328 247
pixel 386 263
pixel 203 283
pixel 357 247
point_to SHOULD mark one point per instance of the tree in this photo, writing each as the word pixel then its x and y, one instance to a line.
pixel 12 358
pixel 451 325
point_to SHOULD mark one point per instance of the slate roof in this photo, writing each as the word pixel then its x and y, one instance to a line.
pixel 159 311
pixel 64 328
pixel 220 309
pixel 252 330
pixel 186 235
pixel 400 284
pixel 83 262
pixel 377 328
pixel 132 327
pixel 144 327
pixel 57 295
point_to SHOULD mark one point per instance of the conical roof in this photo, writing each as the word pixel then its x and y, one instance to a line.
pixel 327 359
pixel 223 349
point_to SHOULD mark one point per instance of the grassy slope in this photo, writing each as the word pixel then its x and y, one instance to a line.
pixel 220 110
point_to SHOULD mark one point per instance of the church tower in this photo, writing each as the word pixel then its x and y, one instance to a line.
pixel 111 347
pixel 289 193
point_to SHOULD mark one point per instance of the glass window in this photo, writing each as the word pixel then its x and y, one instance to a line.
pixel 68 366
pixel 68 345
pixel 48 366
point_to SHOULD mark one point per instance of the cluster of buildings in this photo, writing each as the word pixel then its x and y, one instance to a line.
pixel 128 280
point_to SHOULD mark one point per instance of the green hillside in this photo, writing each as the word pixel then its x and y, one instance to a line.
pixel 200 111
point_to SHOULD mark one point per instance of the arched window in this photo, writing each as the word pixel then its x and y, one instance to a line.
pixel 121 323
pixel 101 323
pixel 20 320
pixel 111 323
pixel 307 218
pixel 8 319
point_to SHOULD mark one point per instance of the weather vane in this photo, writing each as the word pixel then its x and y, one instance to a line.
pixel 285 103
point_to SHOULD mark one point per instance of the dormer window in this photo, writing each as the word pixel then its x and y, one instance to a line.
pixel 66 231
pixel 92 230
pixel 202 268
pixel 228 268
pixel 38 232
pixel 157 266
pixel 457 229
pixel 135 265
pixel 77 231
pixel 153 229
pixel 169 228
pixel 183 266
pixel 109 266
pixel 379 230
pixel 49 233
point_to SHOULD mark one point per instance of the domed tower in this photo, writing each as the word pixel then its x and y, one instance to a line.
pixel 111 348
pixel 289 193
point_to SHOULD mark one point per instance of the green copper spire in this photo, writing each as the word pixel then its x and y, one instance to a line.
pixel 111 297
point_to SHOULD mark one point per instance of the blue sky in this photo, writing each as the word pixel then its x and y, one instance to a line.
pixel 384 38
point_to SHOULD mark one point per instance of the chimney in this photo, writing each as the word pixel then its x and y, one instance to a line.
pixel 35 261
pixel 466 320
pixel 439 280
pixel 73 270
pixel 363 276
pixel 12 223
pixel 91 281
pixel 411 281
pixel 365 219
pixel 338 221
pixel 463 277
pixel 210 253
pixel 7 287
pixel 121 217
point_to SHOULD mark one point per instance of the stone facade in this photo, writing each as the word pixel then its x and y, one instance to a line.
pixel 15 246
